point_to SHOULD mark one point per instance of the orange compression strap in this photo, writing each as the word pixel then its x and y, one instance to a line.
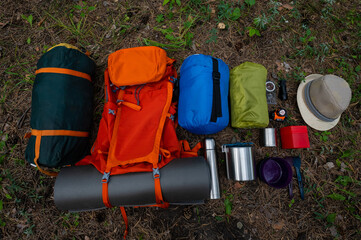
pixel 70 133
pixel 185 148
pixel 106 175
pixel 165 153
pixel 130 105
pixel 40 133
pixel 197 147
pixel 125 218
pixel 27 135
pixel 105 194
pixel 157 188
pixel 64 71
pixel 158 191
pixel 37 153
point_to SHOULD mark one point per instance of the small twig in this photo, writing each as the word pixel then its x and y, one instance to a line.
pixel 354 104
pixel 2 129
pixel 151 5
pixel 41 21
pixel 2 25
pixel 22 118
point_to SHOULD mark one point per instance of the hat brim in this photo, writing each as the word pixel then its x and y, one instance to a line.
pixel 306 114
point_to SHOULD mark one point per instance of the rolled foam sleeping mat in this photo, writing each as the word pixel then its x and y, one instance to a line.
pixel 183 181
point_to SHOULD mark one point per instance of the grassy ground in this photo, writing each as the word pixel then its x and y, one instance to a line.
pixel 310 36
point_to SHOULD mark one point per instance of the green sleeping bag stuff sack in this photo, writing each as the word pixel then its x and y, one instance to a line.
pixel 248 101
pixel 62 110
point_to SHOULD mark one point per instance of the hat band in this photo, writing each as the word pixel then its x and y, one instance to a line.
pixel 312 107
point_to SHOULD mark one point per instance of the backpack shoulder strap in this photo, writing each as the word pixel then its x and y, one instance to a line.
pixel 186 151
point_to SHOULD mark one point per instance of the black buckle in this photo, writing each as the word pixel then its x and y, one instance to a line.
pixel 216 77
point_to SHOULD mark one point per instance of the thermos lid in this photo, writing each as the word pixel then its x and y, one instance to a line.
pixel 209 144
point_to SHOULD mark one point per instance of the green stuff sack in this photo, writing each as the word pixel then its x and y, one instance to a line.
pixel 62 110
pixel 248 96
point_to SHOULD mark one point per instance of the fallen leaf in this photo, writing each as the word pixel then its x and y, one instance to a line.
pixel 279 225
pixel 286 66
pixel 308 70
pixel 239 225
pixel 239 185
pixel 106 3
pixel 22 226
pixel 285 6
pixel 279 66
pixel 194 47
pixel 333 231
pixel 329 165
pixel 294 119
pixel 343 167
pixel 288 6
pixel 6 127
pixel 221 26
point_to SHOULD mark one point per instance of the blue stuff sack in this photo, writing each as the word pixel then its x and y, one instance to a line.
pixel 203 94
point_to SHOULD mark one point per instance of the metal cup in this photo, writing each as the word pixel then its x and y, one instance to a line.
pixel 239 162
pixel 268 137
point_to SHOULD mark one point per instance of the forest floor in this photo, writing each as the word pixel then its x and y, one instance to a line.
pixel 291 39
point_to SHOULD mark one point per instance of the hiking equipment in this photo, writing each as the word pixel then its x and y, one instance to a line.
pixel 203 94
pixel 137 129
pixel 183 181
pixel 249 107
pixel 62 108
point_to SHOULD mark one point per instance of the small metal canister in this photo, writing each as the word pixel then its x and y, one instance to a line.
pixel 210 155
pixel 239 161
pixel 268 137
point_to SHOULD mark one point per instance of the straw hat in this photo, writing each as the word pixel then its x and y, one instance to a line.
pixel 322 99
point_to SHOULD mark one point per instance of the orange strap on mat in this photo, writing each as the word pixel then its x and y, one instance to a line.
pixel 105 190
pixel 64 71
pixel 157 188
pixel 158 191
pixel 40 133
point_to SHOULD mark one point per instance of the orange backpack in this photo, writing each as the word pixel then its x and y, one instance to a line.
pixel 137 129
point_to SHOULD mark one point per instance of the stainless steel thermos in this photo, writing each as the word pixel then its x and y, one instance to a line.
pixel 239 161
pixel 210 155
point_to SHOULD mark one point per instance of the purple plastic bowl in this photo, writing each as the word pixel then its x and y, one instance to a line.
pixel 276 172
